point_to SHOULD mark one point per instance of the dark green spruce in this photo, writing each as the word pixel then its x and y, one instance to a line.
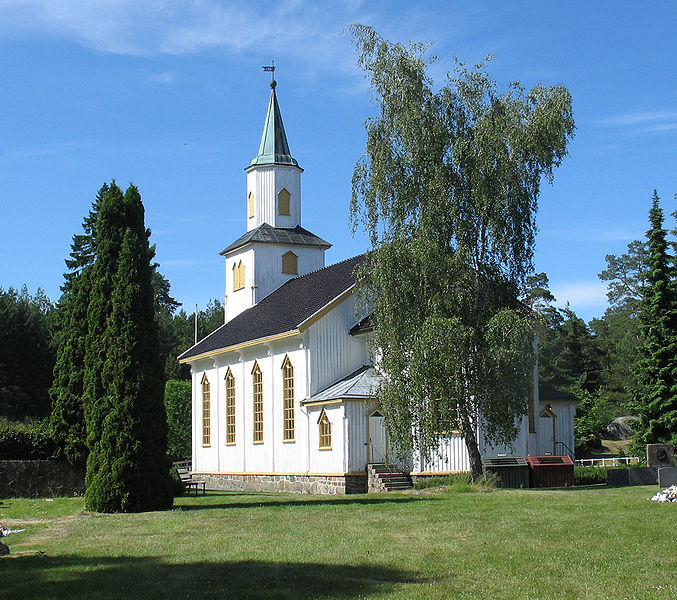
pixel 656 401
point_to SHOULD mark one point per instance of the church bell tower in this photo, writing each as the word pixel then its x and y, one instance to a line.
pixel 275 248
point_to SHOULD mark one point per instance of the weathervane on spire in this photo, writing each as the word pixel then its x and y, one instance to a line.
pixel 271 68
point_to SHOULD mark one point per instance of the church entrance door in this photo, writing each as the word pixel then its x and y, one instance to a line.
pixel 547 438
pixel 377 437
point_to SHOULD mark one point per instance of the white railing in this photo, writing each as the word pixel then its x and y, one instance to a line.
pixel 607 462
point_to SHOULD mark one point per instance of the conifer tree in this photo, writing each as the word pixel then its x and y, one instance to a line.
pixel 656 402
pixel 127 468
pixel 67 417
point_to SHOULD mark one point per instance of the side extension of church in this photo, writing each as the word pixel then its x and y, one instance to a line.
pixel 284 392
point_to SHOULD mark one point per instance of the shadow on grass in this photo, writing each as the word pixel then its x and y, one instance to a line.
pixel 207 502
pixel 105 578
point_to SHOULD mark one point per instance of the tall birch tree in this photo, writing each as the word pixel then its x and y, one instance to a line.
pixel 447 191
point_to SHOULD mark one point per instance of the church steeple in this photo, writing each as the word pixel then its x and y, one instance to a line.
pixel 275 248
pixel 274 148
pixel 273 176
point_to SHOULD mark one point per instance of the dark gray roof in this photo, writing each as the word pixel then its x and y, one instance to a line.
pixel 547 393
pixel 360 385
pixel 283 310
pixel 278 235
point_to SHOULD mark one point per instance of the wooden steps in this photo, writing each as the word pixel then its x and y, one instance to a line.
pixel 386 478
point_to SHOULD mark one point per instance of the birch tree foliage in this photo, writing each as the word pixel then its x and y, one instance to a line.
pixel 447 190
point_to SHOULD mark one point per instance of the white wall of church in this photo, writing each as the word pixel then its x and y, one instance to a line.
pixel 335 352
pixel 269 275
pixel 266 183
pixel 273 454
pixel 242 299
pixel 330 460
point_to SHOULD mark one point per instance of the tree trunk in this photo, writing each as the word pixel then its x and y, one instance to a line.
pixel 473 452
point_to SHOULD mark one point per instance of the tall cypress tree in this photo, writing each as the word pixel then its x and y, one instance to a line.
pixel 67 418
pixel 656 402
pixel 127 469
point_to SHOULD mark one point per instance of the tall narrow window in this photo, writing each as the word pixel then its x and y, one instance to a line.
pixel 324 425
pixel 288 400
pixel 230 408
pixel 283 202
pixel 290 263
pixel 257 379
pixel 206 412
pixel 238 276
pixel 250 205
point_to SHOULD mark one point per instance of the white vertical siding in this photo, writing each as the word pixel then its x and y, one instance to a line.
pixel 334 352
pixel 564 427
pixel 265 183
pixel 356 455
pixel 269 276
pixel 327 461
pixel 451 455
pixel 239 300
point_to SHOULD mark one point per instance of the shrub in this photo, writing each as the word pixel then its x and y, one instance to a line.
pixel 177 405
pixel 21 441
pixel 458 482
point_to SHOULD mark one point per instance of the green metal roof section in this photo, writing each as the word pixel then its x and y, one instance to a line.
pixel 274 148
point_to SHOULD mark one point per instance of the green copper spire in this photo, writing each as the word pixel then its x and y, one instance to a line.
pixel 274 148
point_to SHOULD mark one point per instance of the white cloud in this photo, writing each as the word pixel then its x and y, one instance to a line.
pixel 648 120
pixel 581 294
pixel 162 78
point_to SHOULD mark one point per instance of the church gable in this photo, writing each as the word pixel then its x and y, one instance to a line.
pixel 287 310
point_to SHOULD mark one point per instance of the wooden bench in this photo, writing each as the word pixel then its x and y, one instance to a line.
pixel 183 471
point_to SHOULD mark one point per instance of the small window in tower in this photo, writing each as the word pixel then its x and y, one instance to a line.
pixel 290 263
pixel 250 205
pixel 238 276
pixel 283 202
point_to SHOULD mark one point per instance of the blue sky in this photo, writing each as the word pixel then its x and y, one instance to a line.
pixel 170 95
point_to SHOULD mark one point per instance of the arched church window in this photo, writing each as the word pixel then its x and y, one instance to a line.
pixel 230 408
pixel 283 199
pixel 238 276
pixel 250 205
pixel 257 381
pixel 324 425
pixel 290 263
pixel 206 411
pixel 288 400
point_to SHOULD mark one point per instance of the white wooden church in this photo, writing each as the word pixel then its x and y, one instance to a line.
pixel 283 392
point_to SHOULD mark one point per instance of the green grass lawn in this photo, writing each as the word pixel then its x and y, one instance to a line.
pixel 575 543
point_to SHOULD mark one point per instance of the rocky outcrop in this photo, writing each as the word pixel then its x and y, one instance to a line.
pixel 621 428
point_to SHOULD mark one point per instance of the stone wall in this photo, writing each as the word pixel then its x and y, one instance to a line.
pixel 300 484
pixel 40 479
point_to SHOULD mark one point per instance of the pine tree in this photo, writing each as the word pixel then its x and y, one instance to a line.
pixel 127 468
pixel 656 402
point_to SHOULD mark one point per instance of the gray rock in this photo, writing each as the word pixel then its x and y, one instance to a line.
pixel 620 429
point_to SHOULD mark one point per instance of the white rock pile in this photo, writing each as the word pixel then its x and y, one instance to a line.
pixel 667 495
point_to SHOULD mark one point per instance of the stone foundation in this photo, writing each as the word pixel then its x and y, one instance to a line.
pixel 40 479
pixel 298 484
